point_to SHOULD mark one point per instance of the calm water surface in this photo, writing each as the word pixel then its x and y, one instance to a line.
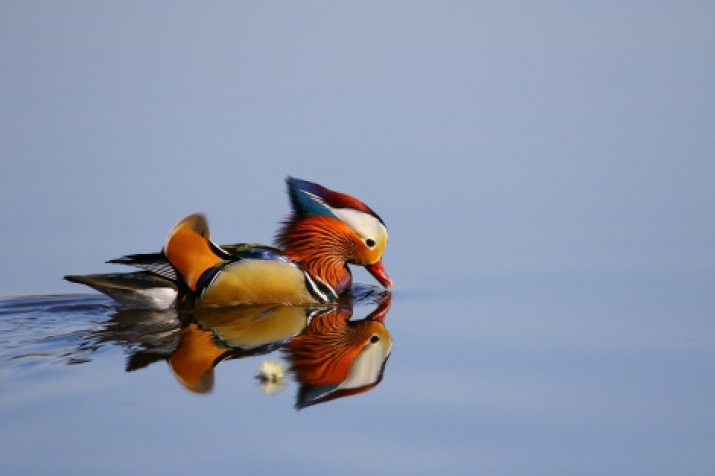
pixel 546 173
pixel 567 375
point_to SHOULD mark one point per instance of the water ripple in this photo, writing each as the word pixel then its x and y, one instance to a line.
pixel 39 330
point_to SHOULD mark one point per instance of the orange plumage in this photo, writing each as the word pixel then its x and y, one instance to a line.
pixel 188 249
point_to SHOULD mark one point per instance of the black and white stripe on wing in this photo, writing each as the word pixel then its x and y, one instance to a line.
pixel 153 262
pixel 321 291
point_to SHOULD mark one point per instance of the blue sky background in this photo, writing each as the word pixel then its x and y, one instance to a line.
pixel 493 137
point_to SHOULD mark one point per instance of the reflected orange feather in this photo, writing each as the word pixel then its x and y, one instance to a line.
pixel 323 354
pixel 195 357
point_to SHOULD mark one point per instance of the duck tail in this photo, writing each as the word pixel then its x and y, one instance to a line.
pixel 139 290
pixel 189 249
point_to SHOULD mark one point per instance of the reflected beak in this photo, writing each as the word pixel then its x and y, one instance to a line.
pixel 378 271
pixel 380 313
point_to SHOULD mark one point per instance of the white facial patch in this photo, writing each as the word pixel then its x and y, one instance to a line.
pixel 364 224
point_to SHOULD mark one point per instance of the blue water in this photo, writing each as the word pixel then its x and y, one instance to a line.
pixel 545 170
pixel 569 375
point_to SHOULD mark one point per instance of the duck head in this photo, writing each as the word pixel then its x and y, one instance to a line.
pixel 328 230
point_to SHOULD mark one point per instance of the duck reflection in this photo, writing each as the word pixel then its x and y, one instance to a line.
pixel 329 354
pixel 335 357
pixel 212 336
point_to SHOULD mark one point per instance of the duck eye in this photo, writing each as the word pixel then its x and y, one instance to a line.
pixel 374 339
pixel 370 242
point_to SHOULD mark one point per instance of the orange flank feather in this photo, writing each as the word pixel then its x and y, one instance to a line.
pixel 257 282
pixel 188 249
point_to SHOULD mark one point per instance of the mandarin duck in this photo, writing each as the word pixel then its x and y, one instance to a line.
pixel 326 231
pixel 337 357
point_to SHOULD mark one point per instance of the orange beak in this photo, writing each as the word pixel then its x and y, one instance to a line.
pixel 378 271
